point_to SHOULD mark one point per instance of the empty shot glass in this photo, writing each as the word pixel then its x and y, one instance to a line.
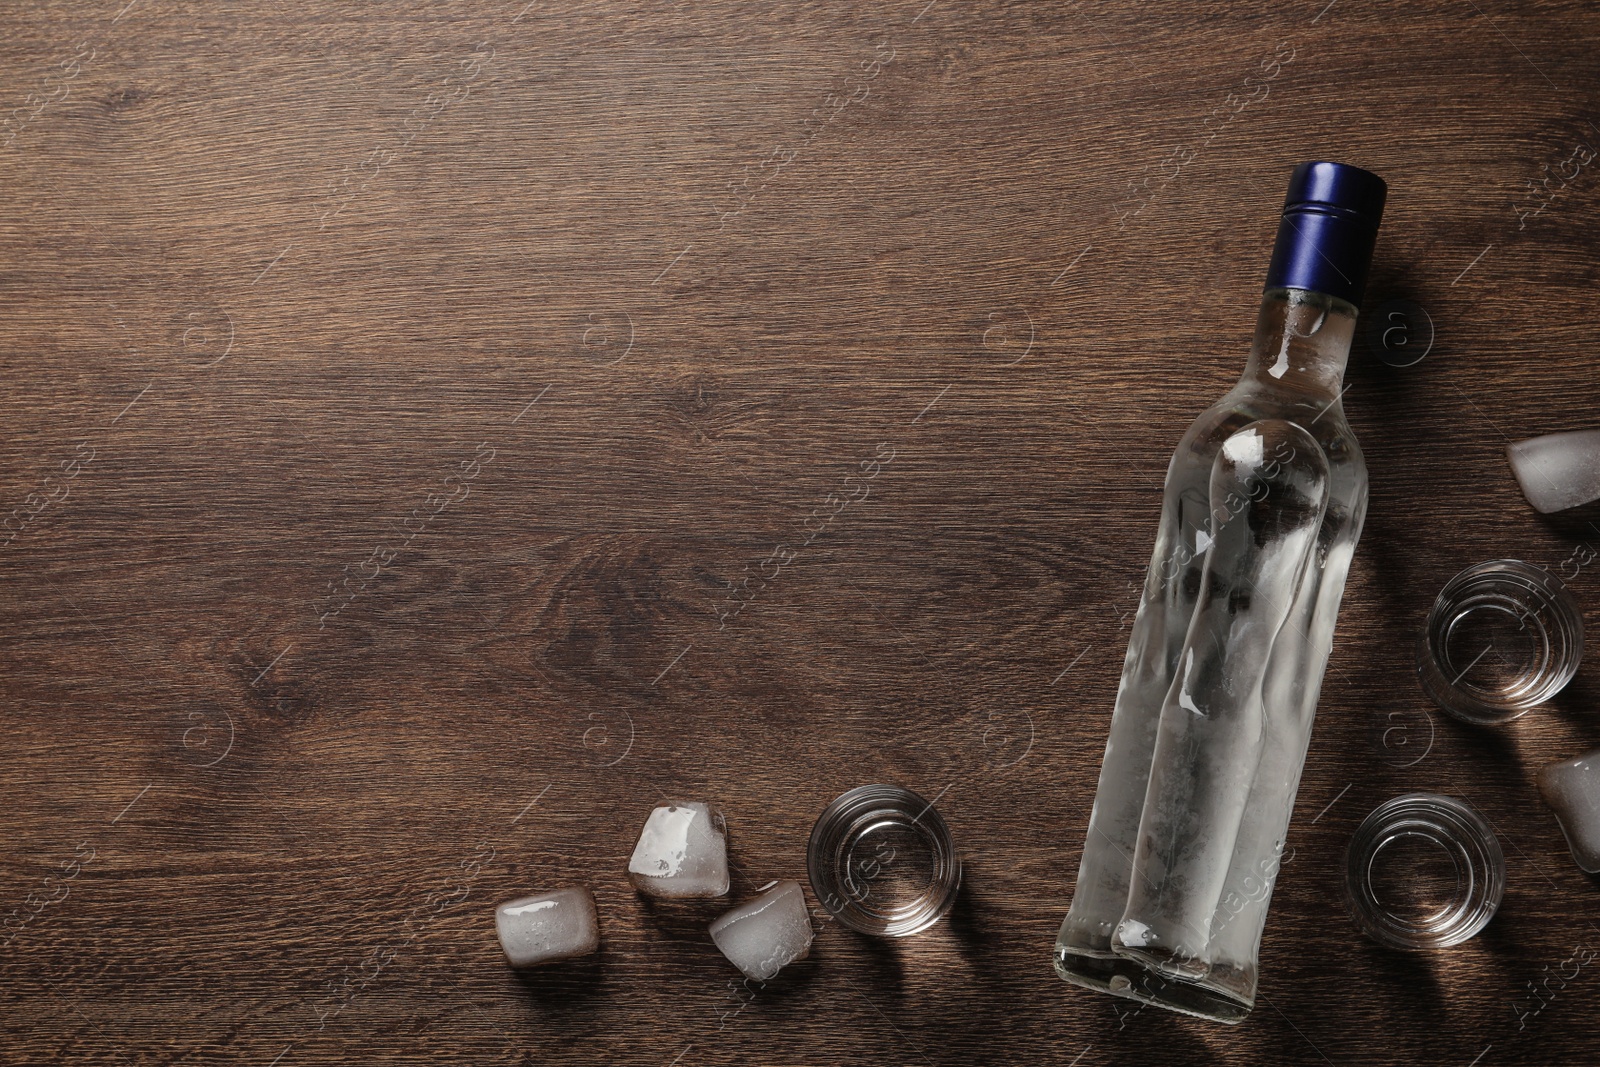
pixel 1502 637
pixel 1424 871
pixel 882 862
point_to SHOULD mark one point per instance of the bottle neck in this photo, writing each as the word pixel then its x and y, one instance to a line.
pixel 1302 342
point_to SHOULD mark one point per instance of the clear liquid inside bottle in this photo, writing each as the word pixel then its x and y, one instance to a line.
pixel 1174 916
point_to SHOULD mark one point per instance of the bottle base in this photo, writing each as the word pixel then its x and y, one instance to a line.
pixel 1162 961
pixel 1119 976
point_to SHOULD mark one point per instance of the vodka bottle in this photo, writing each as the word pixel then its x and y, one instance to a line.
pixel 1264 503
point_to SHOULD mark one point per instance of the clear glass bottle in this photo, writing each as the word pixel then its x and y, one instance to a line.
pixel 1265 499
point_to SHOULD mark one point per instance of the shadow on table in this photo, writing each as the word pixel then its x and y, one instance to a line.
pixel 566 983
pixel 885 959
pixel 1575 707
pixel 972 938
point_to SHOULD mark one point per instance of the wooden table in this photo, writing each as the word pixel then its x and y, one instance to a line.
pixel 436 433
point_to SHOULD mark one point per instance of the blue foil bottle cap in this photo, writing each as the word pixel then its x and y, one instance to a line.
pixel 1328 230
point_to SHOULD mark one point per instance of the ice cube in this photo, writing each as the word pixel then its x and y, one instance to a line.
pixel 682 852
pixel 1559 470
pixel 763 936
pixel 548 926
pixel 1572 789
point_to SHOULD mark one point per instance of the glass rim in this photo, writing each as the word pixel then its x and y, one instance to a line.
pixel 1532 593
pixel 830 836
pixel 1457 827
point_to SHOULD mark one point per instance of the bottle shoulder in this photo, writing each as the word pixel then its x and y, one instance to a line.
pixel 1323 420
pixel 1189 473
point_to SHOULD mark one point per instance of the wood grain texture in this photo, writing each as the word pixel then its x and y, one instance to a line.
pixel 401 399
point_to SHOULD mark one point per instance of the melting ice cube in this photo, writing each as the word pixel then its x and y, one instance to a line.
pixel 1572 789
pixel 682 852
pixel 764 935
pixel 1559 470
pixel 548 926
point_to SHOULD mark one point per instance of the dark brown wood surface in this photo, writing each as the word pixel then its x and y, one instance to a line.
pixel 404 404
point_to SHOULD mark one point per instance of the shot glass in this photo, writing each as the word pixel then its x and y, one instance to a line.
pixel 882 862
pixel 1424 871
pixel 1502 637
